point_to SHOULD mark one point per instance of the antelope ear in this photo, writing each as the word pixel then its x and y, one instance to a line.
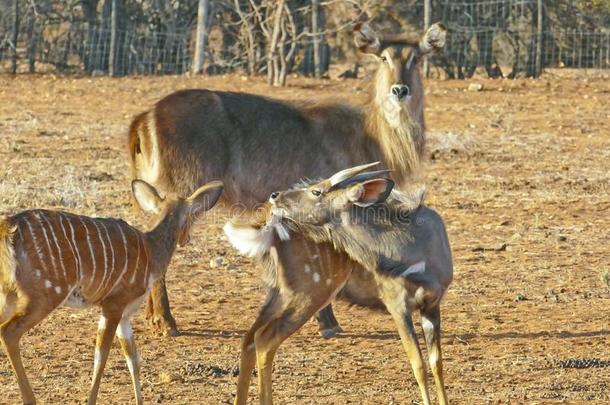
pixel 147 196
pixel 205 197
pixel 367 40
pixel 370 192
pixel 433 40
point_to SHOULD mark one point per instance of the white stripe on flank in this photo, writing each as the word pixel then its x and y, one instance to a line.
pixel 36 247
pixel 99 235
pixel 93 266
pixel 107 282
pixel 63 228
pixel 120 277
pixel 135 269
pixel 76 249
pixel 60 256
pixel 46 237
pixel 147 258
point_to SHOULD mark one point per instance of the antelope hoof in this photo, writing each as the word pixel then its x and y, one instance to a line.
pixel 164 327
pixel 331 332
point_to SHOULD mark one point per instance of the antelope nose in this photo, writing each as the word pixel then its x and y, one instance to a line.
pixel 400 91
pixel 274 195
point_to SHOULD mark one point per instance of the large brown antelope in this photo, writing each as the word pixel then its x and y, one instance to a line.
pixel 256 144
pixel 354 219
pixel 51 258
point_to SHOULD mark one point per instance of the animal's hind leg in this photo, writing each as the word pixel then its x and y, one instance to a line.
pixel 431 324
pixel 327 323
pixel 269 337
pixel 130 351
pixel 158 311
pixel 11 332
pixel 248 351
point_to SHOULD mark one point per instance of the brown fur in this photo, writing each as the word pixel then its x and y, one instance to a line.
pixel 241 138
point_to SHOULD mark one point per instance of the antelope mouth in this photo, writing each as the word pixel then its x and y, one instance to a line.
pixel 397 100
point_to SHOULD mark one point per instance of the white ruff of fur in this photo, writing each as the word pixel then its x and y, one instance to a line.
pixel 254 242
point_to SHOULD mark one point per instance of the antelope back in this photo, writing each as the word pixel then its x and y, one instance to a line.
pixel 83 259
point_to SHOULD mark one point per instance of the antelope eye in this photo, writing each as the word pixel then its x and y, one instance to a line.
pixel 384 59
pixel 317 193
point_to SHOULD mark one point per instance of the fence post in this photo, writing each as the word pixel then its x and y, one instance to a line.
pixel 427 11
pixel 539 42
pixel 113 39
pixel 201 37
pixel 15 36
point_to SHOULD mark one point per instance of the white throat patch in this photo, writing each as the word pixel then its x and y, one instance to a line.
pixel 254 242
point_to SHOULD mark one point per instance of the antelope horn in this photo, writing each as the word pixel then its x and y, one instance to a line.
pixel 347 173
pixel 363 177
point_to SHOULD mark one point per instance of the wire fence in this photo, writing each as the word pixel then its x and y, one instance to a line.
pixel 499 36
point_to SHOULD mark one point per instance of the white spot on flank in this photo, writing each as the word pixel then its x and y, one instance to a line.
pixel 316 277
pixel 307 269
pixel 47 284
pixel 418 267
pixel 38 274
pixel 58 289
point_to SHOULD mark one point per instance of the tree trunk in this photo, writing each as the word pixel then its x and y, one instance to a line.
pixel 15 36
pixel 113 39
pixel 427 12
pixel 315 5
pixel 90 12
pixel 202 33
pixel 272 56
pixel 32 42
pixel 538 71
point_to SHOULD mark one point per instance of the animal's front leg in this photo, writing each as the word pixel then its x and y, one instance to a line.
pixel 158 311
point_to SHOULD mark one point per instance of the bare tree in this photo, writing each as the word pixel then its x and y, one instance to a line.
pixel 15 38
pixel 203 11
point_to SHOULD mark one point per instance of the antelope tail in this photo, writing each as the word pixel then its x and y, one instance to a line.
pixel 137 125
pixel 8 265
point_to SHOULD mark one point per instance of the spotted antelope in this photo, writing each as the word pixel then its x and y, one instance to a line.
pixel 357 219
pixel 52 258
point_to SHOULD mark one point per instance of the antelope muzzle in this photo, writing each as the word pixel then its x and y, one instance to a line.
pixel 400 92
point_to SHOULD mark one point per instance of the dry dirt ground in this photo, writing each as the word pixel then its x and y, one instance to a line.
pixel 520 172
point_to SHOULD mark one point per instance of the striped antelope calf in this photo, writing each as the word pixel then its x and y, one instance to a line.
pixel 52 258
pixel 357 221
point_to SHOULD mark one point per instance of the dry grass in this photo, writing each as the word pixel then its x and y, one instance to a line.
pixel 522 164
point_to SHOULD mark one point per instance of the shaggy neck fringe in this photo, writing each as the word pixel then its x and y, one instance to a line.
pixel 368 234
pixel 401 145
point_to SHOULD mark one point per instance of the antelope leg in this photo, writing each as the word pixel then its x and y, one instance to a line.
pixel 105 334
pixel 327 323
pixel 158 310
pixel 431 324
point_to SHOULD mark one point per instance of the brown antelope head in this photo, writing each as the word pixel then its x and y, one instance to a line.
pixel 323 202
pixel 398 83
pixel 180 212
